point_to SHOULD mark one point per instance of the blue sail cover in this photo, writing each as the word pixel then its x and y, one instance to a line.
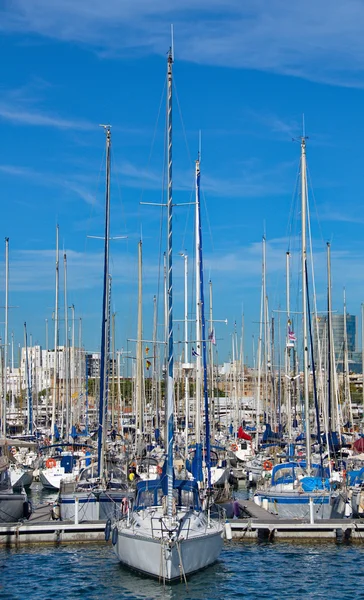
pixel 313 484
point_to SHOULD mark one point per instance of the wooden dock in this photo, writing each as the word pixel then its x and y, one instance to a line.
pixel 256 524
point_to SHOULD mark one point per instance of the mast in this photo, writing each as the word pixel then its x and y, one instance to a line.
pixel 155 395
pixel 362 356
pixel 198 354
pixel 6 341
pixel 47 371
pixel 288 350
pixel 72 377
pixel 55 385
pixel 186 363
pixel 66 390
pixel 170 378
pixel 139 353
pixel 104 359
pixel 304 303
pixel 211 348
pixel 259 359
pixel 27 383
pixel 347 394
pixel 113 370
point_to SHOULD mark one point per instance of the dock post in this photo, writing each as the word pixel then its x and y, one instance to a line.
pixel 312 519
pixel 76 510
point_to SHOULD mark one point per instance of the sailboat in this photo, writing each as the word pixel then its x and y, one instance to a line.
pixel 13 506
pixel 294 492
pixel 100 487
pixel 167 535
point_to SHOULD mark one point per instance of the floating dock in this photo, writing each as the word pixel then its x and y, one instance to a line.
pixel 259 524
pixel 256 524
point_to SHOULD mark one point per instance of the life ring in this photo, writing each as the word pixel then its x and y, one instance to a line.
pixel 50 463
pixel 159 470
pixel 234 447
pixel 267 465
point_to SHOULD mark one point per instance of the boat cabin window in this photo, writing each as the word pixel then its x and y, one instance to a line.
pixel 284 475
pixel 154 497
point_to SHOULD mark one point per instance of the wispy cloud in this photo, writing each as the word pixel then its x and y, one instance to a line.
pixel 24 106
pixel 50 180
pixel 36 118
pixel 321 41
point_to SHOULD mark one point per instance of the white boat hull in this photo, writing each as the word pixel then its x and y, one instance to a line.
pixel 51 478
pixel 293 505
pixel 91 507
pixel 167 560
pixel 21 477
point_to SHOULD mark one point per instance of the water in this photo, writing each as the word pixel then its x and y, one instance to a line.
pixel 252 570
pixel 245 570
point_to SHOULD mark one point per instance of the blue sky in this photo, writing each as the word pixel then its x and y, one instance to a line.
pixel 244 75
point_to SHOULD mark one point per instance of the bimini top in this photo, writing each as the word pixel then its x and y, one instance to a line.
pixel 151 493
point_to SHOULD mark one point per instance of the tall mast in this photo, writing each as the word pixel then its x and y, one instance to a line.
pixel 47 371
pixel 55 380
pixel 139 353
pixel 170 378
pixel 259 359
pixel 211 348
pixel 155 395
pixel 362 356
pixel 72 377
pixel 304 303
pixel 186 362
pixel 288 350
pixel 198 354
pixel 104 360
pixel 330 350
pixel 5 389
pixel 66 390
pixel 28 384
pixel 201 313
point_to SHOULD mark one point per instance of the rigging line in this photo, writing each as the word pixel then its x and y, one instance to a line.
pixel 154 136
pixel 292 209
pixel 116 176
pixel 182 123
pixel 208 220
pixel 84 276
pixel 190 204
pixel 316 207
pixel 162 220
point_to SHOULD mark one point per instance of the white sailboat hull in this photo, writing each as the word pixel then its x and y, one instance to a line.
pixel 51 478
pixel 167 560
pixel 21 477
pixel 293 505
pixel 91 507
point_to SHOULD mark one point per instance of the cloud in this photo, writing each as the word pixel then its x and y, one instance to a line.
pixel 321 41
pixel 33 118
pixel 51 180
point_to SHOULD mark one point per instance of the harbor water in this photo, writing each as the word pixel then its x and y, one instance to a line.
pixel 246 569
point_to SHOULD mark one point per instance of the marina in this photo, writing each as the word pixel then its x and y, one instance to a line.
pixel 182 329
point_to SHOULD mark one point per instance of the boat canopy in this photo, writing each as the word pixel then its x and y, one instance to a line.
pixel 150 493
pixel 284 473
